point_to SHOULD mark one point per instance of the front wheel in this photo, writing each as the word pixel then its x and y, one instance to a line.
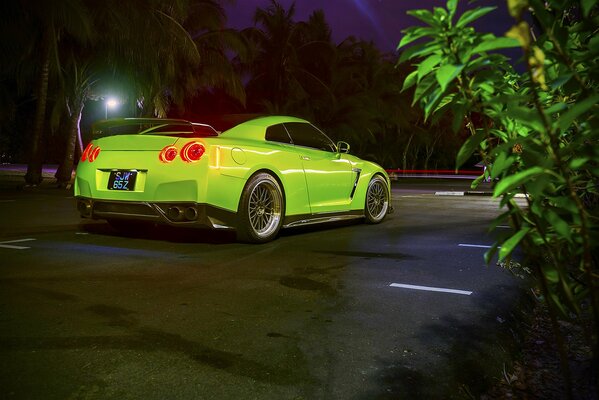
pixel 377 200
pixel 260 209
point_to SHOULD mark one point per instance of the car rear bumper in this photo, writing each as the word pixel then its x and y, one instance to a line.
pixel 170 213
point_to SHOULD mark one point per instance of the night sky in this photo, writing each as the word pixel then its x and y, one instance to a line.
pixel 378 20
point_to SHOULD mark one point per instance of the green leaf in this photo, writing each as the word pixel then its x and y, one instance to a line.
pixel 561 81
pixel 423 15
pixel 496 44
pixel 478 180
pixel 577 110
pixel 472 15
pixel 501 163
pixel 557 108
pixel 587 6
pixel 550 273
pixel 491 252
pixel 413 34
pixel 447 73
pixel 418 50
pixel 459 111
pixel 527 117
pixel 509 245
pixel 469 147
pixel 424 88
pixel 579 162
pixel 447 100
pixel 432 101
pixel 410 80
pixel 452 6
pixel 515 7
pixel 510 182
pixel 560 226
pixel 428 64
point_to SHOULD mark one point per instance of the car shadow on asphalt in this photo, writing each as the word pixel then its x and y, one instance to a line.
pixel 162 233
pixel 148 231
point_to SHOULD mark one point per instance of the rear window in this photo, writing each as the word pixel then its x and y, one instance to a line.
pixel 277 133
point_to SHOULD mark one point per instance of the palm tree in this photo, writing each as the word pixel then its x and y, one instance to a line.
pixel 281 76
pixel 42 27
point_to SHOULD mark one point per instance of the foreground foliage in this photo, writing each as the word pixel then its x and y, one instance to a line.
pixel 537 132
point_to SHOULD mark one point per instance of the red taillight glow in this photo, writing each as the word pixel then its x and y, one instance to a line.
pixel 93 154
pixel 192 151
pixel 86 152
pixel 90 153
pixel 168 154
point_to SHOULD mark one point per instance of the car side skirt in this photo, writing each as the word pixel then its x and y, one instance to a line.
pixel 309 219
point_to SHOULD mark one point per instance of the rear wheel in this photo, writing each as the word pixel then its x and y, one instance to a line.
pixel 377 200
pixel 260 209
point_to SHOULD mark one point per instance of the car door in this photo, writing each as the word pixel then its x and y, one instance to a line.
pixel 329 175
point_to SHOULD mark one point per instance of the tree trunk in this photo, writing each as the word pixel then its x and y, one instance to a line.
pixel 405 153
pixel 34 166
pixel 65 171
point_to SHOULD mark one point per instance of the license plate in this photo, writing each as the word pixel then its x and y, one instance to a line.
pixel 122 180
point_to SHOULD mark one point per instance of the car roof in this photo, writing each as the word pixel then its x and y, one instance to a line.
pixel 255 128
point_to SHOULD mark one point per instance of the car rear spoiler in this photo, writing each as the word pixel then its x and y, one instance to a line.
pixel 141 126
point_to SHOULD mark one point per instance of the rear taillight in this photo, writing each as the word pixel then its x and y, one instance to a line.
pixel 192 151
pixel 93 154
pixel 85 153
pixel 90 153
pixel 168 154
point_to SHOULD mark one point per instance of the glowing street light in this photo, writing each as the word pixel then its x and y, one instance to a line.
pixel 111 103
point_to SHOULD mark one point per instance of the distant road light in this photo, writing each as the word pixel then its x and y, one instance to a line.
pixel 111 103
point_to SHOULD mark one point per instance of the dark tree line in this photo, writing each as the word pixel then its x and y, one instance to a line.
pixel 177 58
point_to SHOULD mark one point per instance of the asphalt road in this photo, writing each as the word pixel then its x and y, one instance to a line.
pixel 320 313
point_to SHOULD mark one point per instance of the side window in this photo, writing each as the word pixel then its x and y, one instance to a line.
pixel 277 133
pixel 304 134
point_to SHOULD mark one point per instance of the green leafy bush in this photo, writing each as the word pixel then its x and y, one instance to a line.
pixel 537 132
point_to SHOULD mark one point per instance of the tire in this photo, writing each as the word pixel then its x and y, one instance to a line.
pixel 260 209
pixel 376 204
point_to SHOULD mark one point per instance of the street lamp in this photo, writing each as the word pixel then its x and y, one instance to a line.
pixel 111 103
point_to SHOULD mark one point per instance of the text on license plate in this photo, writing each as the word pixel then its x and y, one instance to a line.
pixel 122 180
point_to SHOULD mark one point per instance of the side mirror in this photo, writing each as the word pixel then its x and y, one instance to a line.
pixel 342 147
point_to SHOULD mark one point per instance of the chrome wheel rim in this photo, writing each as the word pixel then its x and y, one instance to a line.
pixel 265 208
pixel 377 200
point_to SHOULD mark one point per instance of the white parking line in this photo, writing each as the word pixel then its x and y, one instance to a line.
pixel 431 289
pixel 449 193
pixel 481 246
pixel 8 246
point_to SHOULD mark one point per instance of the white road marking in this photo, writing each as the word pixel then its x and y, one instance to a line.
pixel 481 246
pixel 431 289
pixel 81 233
pixel 8 246
pixel 449 193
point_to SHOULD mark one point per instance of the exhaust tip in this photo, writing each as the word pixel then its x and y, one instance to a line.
pixel 191 214
pixel 174 213
pixel 84 208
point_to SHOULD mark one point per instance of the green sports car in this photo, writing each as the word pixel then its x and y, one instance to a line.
pixel 253 175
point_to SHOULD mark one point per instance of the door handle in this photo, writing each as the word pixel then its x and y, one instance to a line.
pixel 305 158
